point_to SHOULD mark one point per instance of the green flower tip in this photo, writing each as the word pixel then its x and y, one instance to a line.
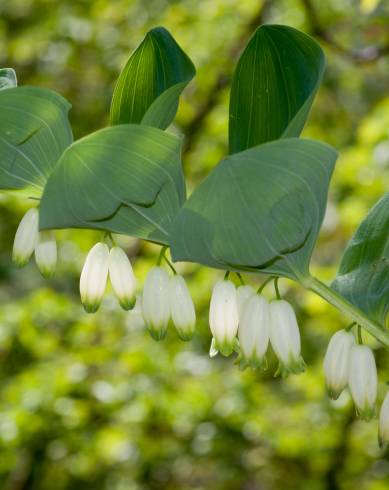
pixel 157 334
pixel 128 303
pixel 366 414
pixel 91 307
pixel 295 366
pixel 254 363
pixel 333 394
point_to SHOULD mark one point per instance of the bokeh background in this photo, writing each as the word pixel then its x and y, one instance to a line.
pixel 91 401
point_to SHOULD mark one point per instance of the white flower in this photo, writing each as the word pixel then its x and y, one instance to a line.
pixel 122 278
pixel 155 302
pixel 94 277
pixel 383 432
pixel 26 237
pixel 243 293
pixel 182 307
pixel 253 332
pixel 285 338
pixel 362 380
pixel 336 362
pixel 223 316
pixel 46 253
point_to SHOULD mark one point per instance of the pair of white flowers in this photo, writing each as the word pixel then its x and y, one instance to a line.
pixel 245 321
pixel 167 298
pixel 352 364
pixel 347 363
pixel 100 262
pixel 29 240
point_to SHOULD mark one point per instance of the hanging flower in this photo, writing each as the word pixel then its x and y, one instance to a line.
pixel 46 253
pixel 181 307
pixel 26 237
pixel 155 302
pixel 362 380
pixel 243 293
pixel 285 338
pixel 94 277
pixel 253 332
pixel 122 277
pixel 223 316
pixel 383 431
pixel 336 362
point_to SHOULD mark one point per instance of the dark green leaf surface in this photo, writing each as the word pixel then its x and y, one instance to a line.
pixel 7 78
pixel 273 86
pixel 34 132
pixel 125 179
pixel 260 209
pixel 149 87
pixel 363 276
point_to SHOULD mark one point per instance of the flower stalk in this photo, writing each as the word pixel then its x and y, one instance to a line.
pixel 349 310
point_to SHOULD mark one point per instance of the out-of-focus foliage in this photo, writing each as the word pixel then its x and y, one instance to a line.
pixel 93 401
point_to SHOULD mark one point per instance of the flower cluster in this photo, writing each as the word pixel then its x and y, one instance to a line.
pixel 347 363
pixel 244 321
pixel 241 320
pixel 29 239
pixel 100 262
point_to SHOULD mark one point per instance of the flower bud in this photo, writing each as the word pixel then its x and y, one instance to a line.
pixel 94 277
pixel 223 316
pixel 182 307
pixel 383 431
pixel 336 362
pixel 362 380
pixel 122 278
pixel 253 332
pixel 46 253
pixel 243 293
pixel 285 338
pixel 155 302
pixel 26 237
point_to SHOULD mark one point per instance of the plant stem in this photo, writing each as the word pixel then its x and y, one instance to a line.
pixel 351 311
pixel 276 288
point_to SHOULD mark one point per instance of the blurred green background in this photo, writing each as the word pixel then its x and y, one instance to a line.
pixel 92 402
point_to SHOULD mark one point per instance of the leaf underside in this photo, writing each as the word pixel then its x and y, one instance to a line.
pixel 273 86
pixel 363 276
pixel 34 132
pixel 124 179
pixel 148 89
pixel 259 210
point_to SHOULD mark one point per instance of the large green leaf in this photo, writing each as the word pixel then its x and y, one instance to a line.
pixel 125 179
pixel 273 86
pixel 34 132
pixel 259 210
pixel 363 276
pixel 149 87
pixel 7 78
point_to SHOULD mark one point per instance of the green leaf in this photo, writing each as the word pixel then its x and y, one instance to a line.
pixel 7 78
pixel 363 276
pixel 259 210
pixel 34 132
pixel 273 86
pixel 124 179
pixel 148 89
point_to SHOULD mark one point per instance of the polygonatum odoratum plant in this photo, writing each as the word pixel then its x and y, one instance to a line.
pixel 259 211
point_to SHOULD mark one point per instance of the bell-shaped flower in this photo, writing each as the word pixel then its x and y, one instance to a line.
pixel 285 338
pixel 383 431
pixel 155 302
pixel 362 380
pixel 181 307
pixel 336 362
pixel 26 237
pixel 46 253
pixel 243 293
pixel 122 278
pixel 253 332
pixel 223 316
pixel 94 277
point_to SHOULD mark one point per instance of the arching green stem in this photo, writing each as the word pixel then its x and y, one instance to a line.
pixel 349 310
